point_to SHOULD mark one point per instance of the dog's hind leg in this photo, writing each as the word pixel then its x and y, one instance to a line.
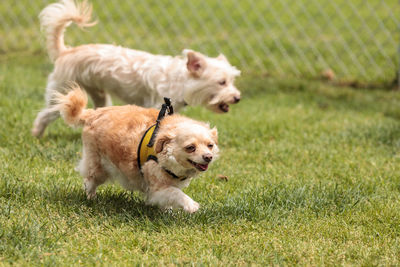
pixel 90 167
pixel 100 97
pixel 48 114
pixel 44 118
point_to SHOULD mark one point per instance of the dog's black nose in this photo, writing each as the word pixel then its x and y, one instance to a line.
pixel 207 157
pixel 236 99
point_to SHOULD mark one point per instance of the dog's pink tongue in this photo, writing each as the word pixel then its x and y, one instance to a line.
pixel 203 167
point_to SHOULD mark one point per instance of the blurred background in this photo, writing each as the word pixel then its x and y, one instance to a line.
pixel 351 42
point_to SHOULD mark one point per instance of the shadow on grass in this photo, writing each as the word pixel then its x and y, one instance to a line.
pixel 125 205
pixel 274 203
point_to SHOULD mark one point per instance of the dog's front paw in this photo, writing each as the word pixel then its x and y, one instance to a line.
pixel 37 131
pixel 191 206
pixel 90 189
pixel 91 195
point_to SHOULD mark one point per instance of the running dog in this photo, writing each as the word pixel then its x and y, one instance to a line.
pixel 136 77
pixel 138 147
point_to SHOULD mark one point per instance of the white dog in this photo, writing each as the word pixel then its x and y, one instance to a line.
pixel 117 145
pixel 135 77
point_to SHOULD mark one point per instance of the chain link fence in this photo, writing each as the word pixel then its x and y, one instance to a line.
pixel 354 41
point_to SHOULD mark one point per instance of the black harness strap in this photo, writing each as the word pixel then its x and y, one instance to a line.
pixel 151 157
pixel 165 107
pixel 174 175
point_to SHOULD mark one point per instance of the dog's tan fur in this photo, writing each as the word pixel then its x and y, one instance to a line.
pixel 111 136
pixel 136 77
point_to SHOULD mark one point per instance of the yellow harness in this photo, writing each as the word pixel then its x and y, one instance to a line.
pixel 146 146
pixel 146 152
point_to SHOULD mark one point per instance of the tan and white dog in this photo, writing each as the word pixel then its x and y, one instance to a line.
pixel 136 77
pixel 111 136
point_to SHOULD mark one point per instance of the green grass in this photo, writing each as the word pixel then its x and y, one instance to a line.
pixel 357 39
pixel 314 179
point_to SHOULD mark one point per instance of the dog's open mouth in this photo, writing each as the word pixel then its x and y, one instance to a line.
pixel 224 107
pixel 200 167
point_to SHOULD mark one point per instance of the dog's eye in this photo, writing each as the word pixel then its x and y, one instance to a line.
pixel 210 146
pixel 223 82
pixel 190 148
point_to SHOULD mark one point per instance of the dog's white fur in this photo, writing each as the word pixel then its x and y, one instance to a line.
pixel 136 77
pixel 111 136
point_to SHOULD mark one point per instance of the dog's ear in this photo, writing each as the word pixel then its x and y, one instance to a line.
pixel 161 141
pixel 195 63
pixel 214 135
pixel 222 57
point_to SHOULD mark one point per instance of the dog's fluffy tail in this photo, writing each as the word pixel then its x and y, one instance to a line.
pixel 55 18
pixel 72 106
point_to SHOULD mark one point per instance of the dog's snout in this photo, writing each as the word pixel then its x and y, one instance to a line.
pixel 207 157
pixel 236 99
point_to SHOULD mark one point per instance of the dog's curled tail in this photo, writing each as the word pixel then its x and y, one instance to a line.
pixel 72 106
pixel 55 18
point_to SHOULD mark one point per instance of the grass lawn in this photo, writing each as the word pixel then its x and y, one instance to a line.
pixel 314 179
